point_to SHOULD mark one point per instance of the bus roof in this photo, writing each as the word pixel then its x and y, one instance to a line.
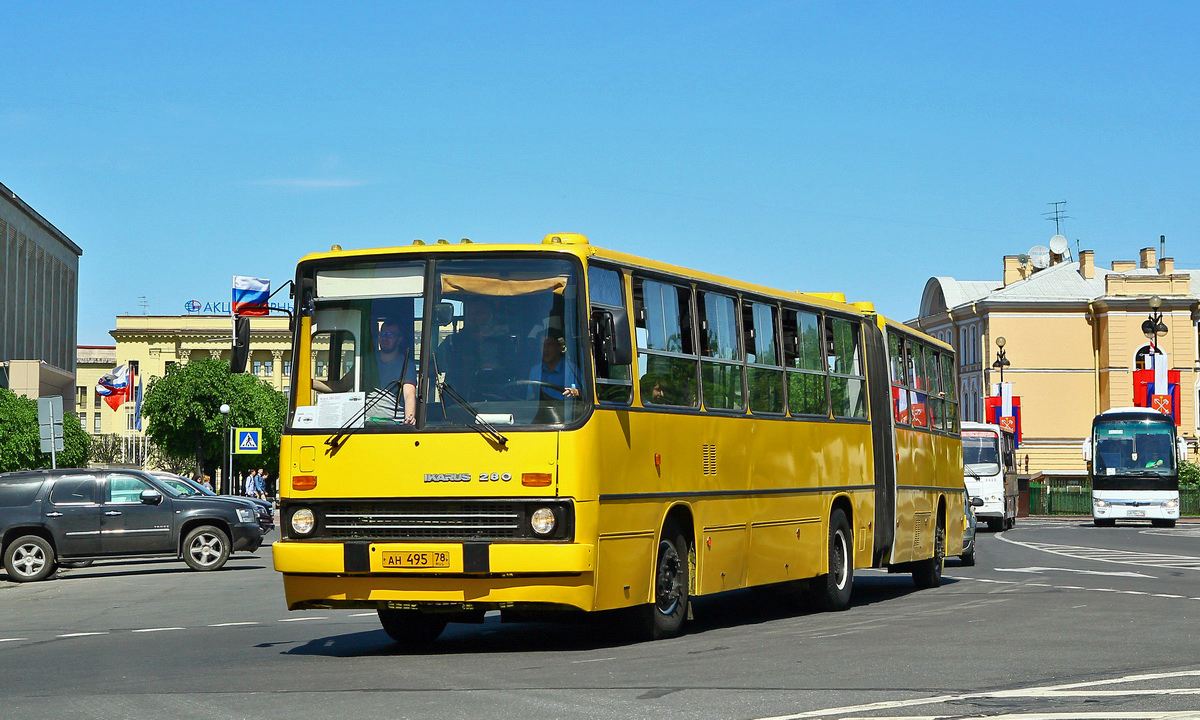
pixel 579 246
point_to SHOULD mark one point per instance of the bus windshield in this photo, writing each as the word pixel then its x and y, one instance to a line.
pixel 981 452
pixel 504 346
pixel 1128 449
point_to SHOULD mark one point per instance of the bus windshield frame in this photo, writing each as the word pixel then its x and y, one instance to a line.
pixel 506 345
pixel 981 452
pixel 1134 454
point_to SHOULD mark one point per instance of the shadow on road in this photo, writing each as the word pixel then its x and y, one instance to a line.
pixel 586 632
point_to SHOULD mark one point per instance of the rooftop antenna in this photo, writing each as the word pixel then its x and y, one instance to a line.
pixel 1057 215
pixel 144 303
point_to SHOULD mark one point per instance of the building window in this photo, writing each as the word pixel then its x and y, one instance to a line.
pixel 96 424
pixel 83 421
pixel 96 402
pixel 1139 358
pixel 287 368
pixel 80 396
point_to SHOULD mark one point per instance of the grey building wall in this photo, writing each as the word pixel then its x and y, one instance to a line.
pixel 39 288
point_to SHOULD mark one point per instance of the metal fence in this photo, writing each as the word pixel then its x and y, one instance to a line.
pixel 1070 496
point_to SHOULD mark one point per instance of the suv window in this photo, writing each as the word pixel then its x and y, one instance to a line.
pixel 79 490
pixel 19 490
pixel 126 489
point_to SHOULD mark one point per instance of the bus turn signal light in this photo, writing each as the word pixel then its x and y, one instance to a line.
pixel 536 479
pixel 304 482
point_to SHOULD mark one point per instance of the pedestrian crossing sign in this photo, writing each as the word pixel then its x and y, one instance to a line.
pixel 249 441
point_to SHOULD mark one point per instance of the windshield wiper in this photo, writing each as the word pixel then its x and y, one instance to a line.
pixel 349 427
pixel 481 426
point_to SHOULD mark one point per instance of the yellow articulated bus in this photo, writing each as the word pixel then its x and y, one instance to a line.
pixel 547 427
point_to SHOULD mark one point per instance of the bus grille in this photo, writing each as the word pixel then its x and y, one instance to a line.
pixel 416 520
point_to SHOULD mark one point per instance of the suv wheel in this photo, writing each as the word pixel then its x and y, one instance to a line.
pixel 206 548
pixel 29 558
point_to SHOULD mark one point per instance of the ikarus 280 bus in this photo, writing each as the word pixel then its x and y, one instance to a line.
pixel 1133 457
pixel 990 472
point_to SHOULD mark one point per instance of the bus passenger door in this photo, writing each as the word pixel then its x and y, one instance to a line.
pixel 883 442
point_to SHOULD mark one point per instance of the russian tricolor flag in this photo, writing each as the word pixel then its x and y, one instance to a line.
pixel 250 295
pixel 114 386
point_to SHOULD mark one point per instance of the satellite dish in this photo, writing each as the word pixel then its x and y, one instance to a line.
pixel 1022 259
pixel 1039 255
pixel 1058 245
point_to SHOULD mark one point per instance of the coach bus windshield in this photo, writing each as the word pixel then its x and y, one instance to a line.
pixel 504 346
pixel 1133 454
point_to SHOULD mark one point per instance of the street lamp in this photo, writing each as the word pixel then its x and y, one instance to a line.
pixel 1001 360
pixel 1153 327
pixel 226 461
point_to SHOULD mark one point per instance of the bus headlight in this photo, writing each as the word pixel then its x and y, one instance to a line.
pixel 303 521
pixel 542 521
pixel 1100 503
pixel 1171 504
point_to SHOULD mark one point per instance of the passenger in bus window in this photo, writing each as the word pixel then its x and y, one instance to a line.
pixel 554 377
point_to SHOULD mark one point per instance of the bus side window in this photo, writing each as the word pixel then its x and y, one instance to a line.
pixel 721 366
pixel 847 387
pixel 950 396
pixel 764 376
pixel 807 394
pixel 614 383
pixel 667 360
pixel 899 374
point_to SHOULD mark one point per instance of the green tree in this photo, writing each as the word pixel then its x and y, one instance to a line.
pixel 1189 474
pixel 182 412
pixel 20 447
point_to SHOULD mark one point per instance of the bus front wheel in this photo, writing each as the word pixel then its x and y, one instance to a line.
pixel 1104 522
pixel 411 627
pixel 832 590
pixel 664 617
pixel 1163 523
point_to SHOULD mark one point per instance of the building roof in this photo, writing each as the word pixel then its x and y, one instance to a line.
pixel 36 217
pixel 1057 283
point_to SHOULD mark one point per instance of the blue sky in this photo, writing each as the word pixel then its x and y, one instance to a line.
pixel 858 147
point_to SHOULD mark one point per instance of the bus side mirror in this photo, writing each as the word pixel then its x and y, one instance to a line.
pixel 443 314
pixel 1182 445
pixel 241 344
pixel 610 336
pixel 1087 450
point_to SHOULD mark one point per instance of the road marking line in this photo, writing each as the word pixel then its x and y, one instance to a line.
pixel 232 624
pixel 301 619
pixel 1042 691
pixel 11 639
pixel 366 614
pixel 80 634
pixel 161 629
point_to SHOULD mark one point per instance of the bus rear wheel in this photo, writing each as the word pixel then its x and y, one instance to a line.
pixel 928 573
pixel 831 591
pixel 410 627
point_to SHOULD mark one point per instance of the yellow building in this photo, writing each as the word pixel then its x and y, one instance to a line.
pixel 153 343
pixel 1073 340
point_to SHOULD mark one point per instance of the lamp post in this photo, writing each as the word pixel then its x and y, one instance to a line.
pixel 1153 327
pixel 1001 361
pixel 226 463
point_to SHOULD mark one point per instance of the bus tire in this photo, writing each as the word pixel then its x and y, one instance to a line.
pixel 996 524
pixel 928 573
pixel 663 618
pixel 831 591
pixel 1104 522
pixel 1163 523
pixel 410 628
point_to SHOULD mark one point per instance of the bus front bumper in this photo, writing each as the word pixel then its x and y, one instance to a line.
pixel 1142 510
pixel 367 574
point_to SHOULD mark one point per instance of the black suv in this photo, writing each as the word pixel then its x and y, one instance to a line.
pixel 72 517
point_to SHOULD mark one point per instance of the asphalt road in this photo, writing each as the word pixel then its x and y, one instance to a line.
pixel 1058 620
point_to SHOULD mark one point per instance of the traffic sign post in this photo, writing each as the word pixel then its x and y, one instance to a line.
pixel 50 427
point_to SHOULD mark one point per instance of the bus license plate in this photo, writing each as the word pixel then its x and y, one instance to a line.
pixel 1137 513
pixel 420 559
